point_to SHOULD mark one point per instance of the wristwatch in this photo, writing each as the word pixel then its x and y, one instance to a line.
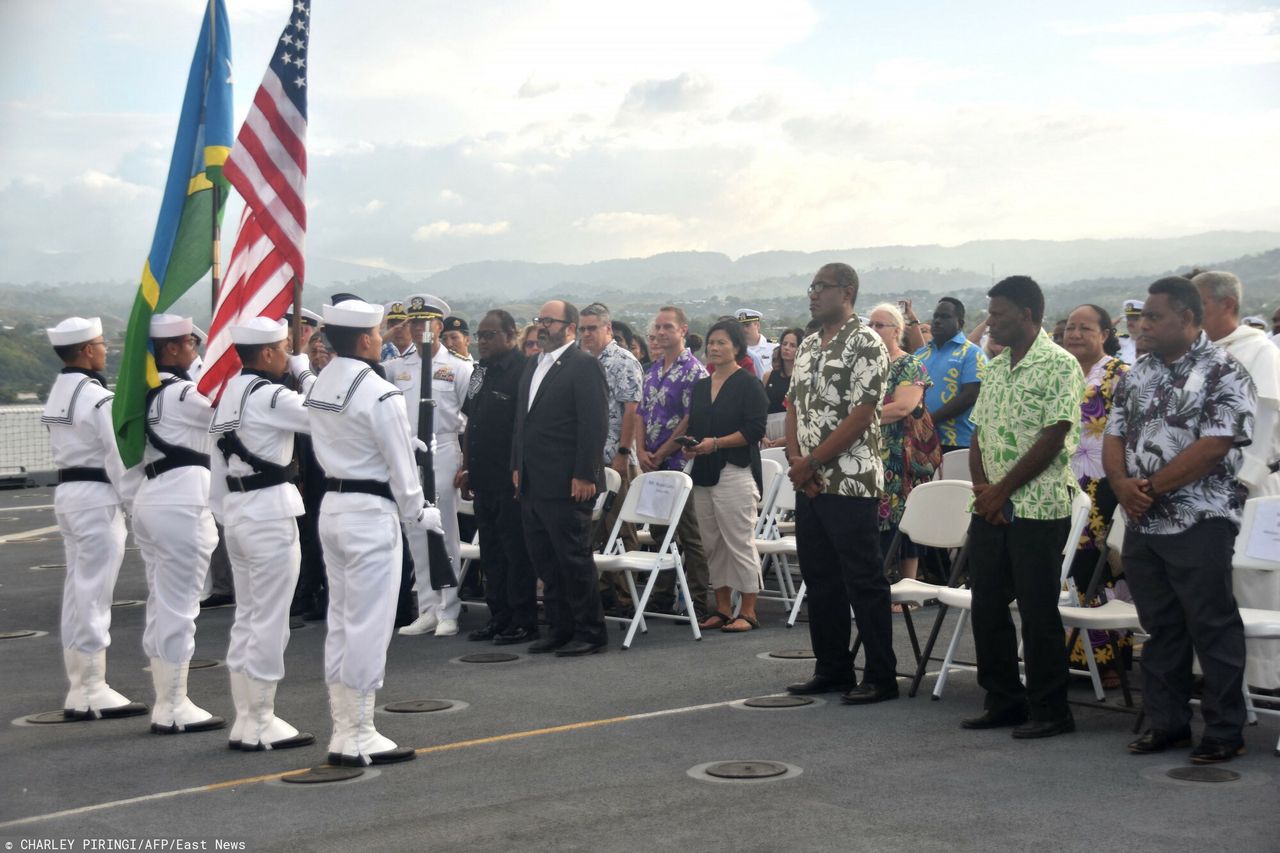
pixel 625 451
pixel 914 323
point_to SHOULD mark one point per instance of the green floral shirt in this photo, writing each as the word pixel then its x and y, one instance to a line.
pixel 826 385
pixel 1015 405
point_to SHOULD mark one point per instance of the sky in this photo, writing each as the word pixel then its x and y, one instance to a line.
pixel 580 130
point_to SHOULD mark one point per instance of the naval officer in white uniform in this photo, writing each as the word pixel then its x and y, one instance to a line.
pixel 173 524
pixel 360 432
pixel 450 375
pixel 252 495
pixel 93 489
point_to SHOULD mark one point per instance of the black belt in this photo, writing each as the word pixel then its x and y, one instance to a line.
pixel 254 482
pixel 83 475
pixel 189 459
pixel 377 488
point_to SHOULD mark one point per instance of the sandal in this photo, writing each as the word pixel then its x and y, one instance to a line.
pixel 910 605
pixel 752 624
pixel 711 623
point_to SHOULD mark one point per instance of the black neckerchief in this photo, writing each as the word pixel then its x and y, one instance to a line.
pixel 92 374
pixel 176 371
pixel 261 374
pixel 377 368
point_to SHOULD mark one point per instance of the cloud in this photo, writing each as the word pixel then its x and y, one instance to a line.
pixel 686 91
pixel 450 196
pixel 1186 41
pixel 533 88
pixel 444 228
pixel 626 221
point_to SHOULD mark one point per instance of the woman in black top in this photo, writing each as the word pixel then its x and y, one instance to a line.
pixel 727 416
pixel 778 380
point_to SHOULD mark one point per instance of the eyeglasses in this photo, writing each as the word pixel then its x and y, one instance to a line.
pixel 819 286
pixel 530 344
pixel 547 321
pixel 486 334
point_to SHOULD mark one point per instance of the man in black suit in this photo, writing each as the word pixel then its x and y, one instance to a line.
pixel 561 421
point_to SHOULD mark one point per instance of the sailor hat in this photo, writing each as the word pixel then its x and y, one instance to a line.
pixel 748 315
pixel 456 324
pixel 74 330
pixel 1133 306
pixel 424 306
pixel 259 330
pixel 353 314
pixel 1254 321
pixel 164 326
pixel 396 312
pixel 309 318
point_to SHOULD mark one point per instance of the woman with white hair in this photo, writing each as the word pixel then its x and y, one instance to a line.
pixel 910 447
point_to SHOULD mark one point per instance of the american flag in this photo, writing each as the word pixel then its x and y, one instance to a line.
pixel 268 167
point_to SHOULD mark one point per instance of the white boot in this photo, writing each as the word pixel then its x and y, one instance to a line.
pixel 265 730
pixel 179 713
pixel 74 706
pixel 240 698
pixel 365 745
pixel 341 716
pixel 101 700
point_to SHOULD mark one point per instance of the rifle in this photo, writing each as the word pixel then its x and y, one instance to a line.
pixel 440 565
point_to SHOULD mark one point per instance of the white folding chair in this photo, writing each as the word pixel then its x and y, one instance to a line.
pixel 936 515
pixel 468 552
pixel 1259 624
pixel 776 550
pixel 1113 615
pixel 955 465
pixel 666 558
pixel 785 526
pixel 962 599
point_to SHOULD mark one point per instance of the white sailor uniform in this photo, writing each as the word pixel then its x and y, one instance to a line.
pixel 258 505
pixel 176 535
pixel 93 488
pixel 450 376
pixel 360 432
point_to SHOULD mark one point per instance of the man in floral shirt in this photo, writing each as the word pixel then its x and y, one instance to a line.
pixel 833 442
pixel 664 415
pixel 1172 454
pixel 1027 425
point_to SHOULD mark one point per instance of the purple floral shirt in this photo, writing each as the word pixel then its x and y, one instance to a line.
pixel 665 402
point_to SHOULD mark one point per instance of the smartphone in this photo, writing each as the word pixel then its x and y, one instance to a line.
pixel 1007 511
pixel 902 305
pixel 686 441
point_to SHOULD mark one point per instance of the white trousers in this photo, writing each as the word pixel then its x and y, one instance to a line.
pixel 93 540
pixel 175 542
pixel 444 602
pixel 726 514
pixel 362 559
pixel 265 558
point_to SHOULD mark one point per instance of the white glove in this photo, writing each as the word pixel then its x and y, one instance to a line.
pixel 429 520
pixel 423 447
pixel 298 365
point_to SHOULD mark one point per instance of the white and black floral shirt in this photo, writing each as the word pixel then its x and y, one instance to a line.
pixel 1160 410
pixel 826 385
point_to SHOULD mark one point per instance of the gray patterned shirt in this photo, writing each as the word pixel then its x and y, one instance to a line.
pixel 1159 410
pixel 623 375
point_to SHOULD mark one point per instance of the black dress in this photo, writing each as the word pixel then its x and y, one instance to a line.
pixel 776 391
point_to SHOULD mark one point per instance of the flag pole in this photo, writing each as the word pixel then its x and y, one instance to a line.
pixel 295 325
pixel 216 271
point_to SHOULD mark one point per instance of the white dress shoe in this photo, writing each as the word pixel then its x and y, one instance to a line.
pixel 447 628
pixel 424 624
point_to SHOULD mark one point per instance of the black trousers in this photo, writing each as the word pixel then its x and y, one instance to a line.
pixel 1021 561
pixel 1181 585
pixel 510 585
pixel 557 532
pixel 838 543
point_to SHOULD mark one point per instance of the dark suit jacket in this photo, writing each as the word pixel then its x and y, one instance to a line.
pixel 561 436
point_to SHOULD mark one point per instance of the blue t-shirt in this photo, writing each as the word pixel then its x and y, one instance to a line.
pixel 951 364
